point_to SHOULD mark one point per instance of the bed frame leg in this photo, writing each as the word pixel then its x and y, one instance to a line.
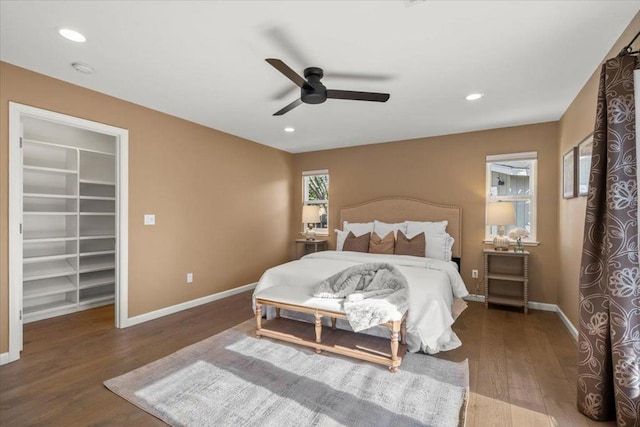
pixel 277 312
pixel 258 319
pixel 403 331
pixel 333 323
pixel 318 330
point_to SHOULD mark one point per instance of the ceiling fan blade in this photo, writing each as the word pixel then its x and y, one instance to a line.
pixel 284 93
pixel 288 108
pixel 357 96
pixel 358 76
pixel 287 71
pixel 286 43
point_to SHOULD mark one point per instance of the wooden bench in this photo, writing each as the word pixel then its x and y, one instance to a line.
pixel 335 341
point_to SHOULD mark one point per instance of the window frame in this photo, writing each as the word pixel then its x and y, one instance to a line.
pixel 532 197
pixel 305 201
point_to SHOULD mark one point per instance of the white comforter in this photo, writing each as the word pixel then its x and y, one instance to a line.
pixel 433 285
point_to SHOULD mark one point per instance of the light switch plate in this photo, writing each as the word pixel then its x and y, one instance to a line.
pixel 149 219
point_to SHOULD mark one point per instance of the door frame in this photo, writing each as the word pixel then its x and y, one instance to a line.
pixel 16 113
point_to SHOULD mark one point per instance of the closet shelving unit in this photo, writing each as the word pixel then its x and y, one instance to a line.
pixel 69 228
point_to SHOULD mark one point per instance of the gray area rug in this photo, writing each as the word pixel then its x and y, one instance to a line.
pixel 235 379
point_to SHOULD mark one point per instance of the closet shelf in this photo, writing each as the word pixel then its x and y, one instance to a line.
pixel 104 153
pixel 83 254
pixel 97 237
pixel 50 170
pixel 46 287
pixel 98 213
pixel 50 240
pixel 97 182
pixel 47 308
pixel 82 197
pixel 98 299
pixel 99 263
pixel 37 259
pixel 47 269
pixel 98 278
pixel 50 196
pixel 48 144
pixel 48 236
pixel 49 213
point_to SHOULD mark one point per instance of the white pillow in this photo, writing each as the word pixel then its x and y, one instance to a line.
pixel 341 236
pixel 358 228
pixel 439 247
pixel 384 228
pixel 429 228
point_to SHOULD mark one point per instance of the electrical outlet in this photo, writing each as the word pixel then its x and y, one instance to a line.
pixel 149 219
pixel 189 277
pixel 474 274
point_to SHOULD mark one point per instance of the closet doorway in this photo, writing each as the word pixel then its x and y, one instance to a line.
pixel 68 218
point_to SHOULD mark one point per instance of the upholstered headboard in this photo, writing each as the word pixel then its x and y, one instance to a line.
pixel 399 209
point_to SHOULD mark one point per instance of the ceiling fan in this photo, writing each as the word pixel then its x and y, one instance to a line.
pixel 312 91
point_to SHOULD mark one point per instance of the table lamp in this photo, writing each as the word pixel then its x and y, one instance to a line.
pixel 501 214
pixel 310 216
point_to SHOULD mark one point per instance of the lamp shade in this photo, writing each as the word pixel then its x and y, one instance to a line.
pixel 310 214
pixel 501 213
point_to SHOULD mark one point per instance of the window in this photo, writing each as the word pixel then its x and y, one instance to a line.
pixel 315 188
pixel 512 178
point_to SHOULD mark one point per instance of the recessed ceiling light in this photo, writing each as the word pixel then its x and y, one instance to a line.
pixel 474 96
pixel 289 129
pixel 72 35
pixel 83 68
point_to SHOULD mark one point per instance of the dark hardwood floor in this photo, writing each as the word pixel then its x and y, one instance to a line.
pixel 523 368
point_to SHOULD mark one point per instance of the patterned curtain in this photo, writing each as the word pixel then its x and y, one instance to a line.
pixel 609 303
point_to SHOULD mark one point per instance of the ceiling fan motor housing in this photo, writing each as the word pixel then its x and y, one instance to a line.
pixel 313 92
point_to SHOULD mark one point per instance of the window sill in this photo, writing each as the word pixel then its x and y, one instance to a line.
pixel 318 233
pixel 528 243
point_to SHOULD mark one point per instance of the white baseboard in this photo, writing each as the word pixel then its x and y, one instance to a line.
pixel 572 329
pixel 136 320
pixel 538 306
pixel 543 306
pixel 4 358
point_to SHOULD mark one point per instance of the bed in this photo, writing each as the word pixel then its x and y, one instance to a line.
pixel 434 285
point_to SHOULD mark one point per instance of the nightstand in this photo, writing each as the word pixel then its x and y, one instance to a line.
pixel 506 278
pixel 317 245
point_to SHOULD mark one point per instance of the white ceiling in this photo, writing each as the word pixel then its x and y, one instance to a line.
pixel 204 61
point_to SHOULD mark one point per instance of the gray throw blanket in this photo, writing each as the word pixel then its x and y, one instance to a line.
pixel 372 292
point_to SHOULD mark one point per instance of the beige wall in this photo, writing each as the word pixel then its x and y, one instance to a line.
pixel 212 194
pixel 449 170
pixel 576 123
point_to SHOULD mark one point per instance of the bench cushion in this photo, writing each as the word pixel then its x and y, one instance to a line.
pixel 303 297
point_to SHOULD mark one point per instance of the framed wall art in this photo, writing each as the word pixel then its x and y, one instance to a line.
pixel 585 149
pixel 569 174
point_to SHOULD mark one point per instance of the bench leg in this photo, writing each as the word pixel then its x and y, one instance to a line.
pixel 318 330
pixel 395 332
pixel 258 319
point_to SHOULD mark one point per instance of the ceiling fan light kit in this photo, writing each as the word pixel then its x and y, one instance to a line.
pixel 312 91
